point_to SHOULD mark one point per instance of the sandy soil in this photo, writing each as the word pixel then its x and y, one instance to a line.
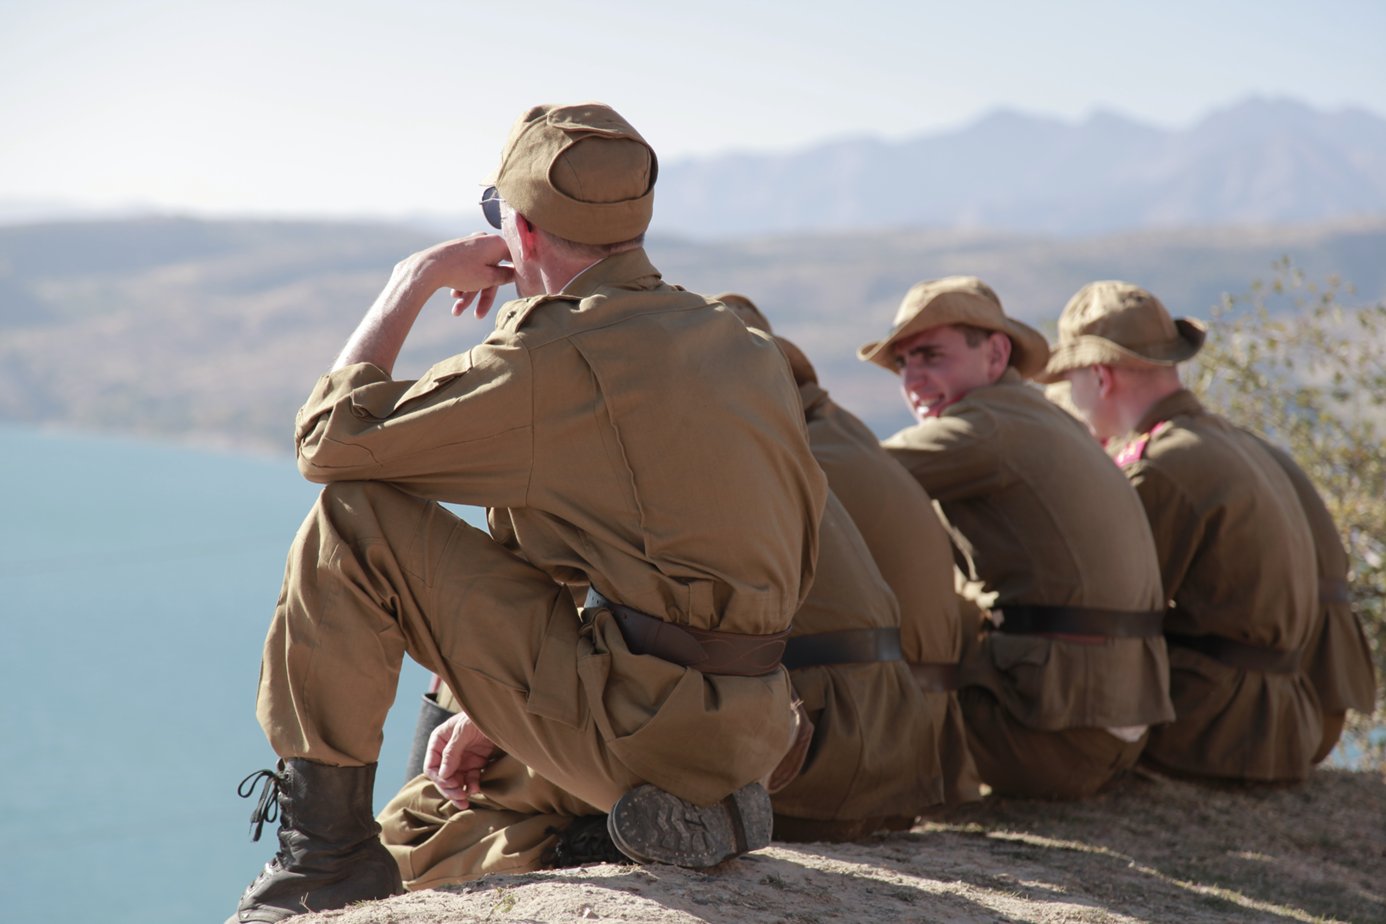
pixel 1150 849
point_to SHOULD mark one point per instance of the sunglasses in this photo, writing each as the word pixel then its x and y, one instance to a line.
pixel 490 207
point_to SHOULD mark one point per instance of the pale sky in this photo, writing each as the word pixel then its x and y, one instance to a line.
pixel 307 107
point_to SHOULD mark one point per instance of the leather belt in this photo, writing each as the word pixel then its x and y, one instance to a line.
pixel 863 646
pixel 706 650
pixel 845 646
pixel 1023 619
pixel 1238 654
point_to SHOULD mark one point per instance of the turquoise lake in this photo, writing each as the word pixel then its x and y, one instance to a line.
pixel 137 581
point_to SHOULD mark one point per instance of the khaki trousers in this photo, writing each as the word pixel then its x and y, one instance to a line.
pixel 375 573
pixel 1019 761
pixel 511 827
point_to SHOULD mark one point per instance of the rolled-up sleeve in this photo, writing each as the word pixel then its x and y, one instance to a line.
pixel 462 433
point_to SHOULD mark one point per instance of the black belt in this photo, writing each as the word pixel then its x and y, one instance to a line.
pixel 863 646
pixel 845 646
pixel 1079 620
pixel 706 650
pixel 1238 654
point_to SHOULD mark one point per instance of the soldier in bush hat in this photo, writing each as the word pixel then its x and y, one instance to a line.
pixel 1236 552
pixel 880 683
pixel 631 441
pixel 1068 668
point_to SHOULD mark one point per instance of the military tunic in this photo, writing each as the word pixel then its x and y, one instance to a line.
pixel 873 755
pixel 1238 562
pixel 908 544
pixel 1038 516
pixel 625 433
pixel 1339 661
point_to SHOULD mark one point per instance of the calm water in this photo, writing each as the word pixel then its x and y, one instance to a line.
pixel 136 585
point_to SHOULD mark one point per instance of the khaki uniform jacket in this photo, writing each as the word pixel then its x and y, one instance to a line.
pixel 1339 663
pixel 630 434
pixel 1038 515
pixel 1237 558
pixel 873 753
pixel 899 750
pixel 898 522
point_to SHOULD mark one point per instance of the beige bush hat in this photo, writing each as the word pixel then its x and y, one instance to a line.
pixel 1112 323
pixel 581 172
pixel 751 316
pixel 958 300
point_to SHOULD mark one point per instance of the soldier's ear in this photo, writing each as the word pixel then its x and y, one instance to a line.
pixel 998 354
pixel 529 236
pixel 1106 380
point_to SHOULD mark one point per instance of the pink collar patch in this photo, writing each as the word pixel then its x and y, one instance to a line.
pixel 1134 451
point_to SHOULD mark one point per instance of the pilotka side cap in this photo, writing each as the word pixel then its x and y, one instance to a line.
pixel 581 172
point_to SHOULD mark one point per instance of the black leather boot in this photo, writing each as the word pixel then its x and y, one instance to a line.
pixel 330 853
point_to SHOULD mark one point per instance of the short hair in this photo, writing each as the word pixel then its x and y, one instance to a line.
pixel 975 336
pixel 591 251
pixel 577 249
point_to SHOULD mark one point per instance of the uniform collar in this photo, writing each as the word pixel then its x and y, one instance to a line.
pixel 1010 377
pixel 630 269
pixel 1182 402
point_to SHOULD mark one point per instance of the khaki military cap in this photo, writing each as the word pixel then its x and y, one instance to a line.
pixel 581 172
pixel 1113 323
pixel 958 300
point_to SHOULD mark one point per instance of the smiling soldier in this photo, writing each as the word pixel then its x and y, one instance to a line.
pixel 1052 550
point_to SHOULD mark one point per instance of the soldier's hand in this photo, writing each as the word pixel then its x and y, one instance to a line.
pixel 472 268
pixel 457 753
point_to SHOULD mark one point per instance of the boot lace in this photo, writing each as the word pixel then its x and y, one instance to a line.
pixel 267 807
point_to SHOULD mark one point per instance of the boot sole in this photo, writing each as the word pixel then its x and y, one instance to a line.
pixel 650 825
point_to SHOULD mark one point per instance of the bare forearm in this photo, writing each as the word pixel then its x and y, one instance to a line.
pixel 470 266
pixel 382 332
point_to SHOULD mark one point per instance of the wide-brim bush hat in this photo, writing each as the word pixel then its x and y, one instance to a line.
pixel 958 300
pixel 1114 323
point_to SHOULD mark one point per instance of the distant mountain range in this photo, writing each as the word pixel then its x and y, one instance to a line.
pixel 1261 161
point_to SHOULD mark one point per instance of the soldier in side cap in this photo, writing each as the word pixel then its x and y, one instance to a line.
pixel 1237 554
pixel 627 437
pixel 879 683
pixel 1052 551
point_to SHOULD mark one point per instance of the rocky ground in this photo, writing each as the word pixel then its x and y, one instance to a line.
pixel 1150 849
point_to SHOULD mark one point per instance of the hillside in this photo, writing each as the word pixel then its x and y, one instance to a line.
pixel 1150 849
pixel 213 332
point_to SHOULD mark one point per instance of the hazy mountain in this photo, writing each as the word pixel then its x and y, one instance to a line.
pixel 1261 161
pixel 1258 162
pixel 215 331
